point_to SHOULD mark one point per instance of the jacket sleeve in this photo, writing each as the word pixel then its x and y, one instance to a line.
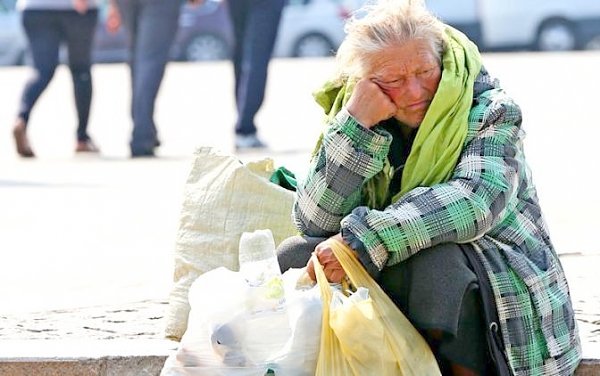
pixel 460 210
pixel 349 155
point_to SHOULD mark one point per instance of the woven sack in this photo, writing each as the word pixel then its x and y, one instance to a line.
pixel 222 199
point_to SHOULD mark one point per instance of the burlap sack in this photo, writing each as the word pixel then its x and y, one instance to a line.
pixel 222 199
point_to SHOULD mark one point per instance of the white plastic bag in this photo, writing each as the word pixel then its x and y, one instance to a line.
pixel 249 322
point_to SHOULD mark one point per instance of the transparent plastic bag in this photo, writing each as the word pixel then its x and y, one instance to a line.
pixel 251 322
pixel 365 333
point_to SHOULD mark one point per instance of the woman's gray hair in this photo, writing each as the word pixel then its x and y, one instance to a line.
pixel 381 24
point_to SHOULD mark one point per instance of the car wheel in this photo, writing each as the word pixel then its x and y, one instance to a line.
pixel 313 45
pixel 26 58
pixel 206 47
pixel 556 35
pixel 593 44
pixel 20 58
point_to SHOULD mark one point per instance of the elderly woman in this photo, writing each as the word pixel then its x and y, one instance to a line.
pixel 421 172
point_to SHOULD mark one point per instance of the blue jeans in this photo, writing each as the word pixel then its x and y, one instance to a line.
pixel 46 30
pixel 255 25
pixel 152 25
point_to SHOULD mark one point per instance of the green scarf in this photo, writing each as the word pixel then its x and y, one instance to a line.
pixel 440 137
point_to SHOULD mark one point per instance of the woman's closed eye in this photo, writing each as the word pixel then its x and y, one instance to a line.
pixel 426 72
pixel 391 84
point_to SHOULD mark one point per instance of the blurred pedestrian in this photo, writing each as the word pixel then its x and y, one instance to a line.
pixel 255 25
pixel 48 24
pixel 151 25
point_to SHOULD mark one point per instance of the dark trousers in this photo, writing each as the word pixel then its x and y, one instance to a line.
pixel 436 289
pixel 46 30
pixel 151 25
pixel 255 25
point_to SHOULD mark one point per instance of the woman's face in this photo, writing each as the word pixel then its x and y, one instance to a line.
pixel 409 74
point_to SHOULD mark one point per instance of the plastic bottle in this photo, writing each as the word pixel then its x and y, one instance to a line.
pixel 260 269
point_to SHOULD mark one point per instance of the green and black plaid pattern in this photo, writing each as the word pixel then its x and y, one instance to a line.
pixel 490 202
pixel 351 155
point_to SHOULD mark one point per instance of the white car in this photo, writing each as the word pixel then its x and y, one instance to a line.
pixel 311 28
pixel 13 43
pixel 544 25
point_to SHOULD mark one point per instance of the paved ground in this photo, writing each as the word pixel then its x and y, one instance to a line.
pixel 87 241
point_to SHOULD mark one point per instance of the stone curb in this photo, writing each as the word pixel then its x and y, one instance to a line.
pixel 588 367
pixel 82 358
pixel 127 358
pixel 105 366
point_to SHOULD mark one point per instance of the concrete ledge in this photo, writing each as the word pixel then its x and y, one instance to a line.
pixel 130 358
pixel 588 367
pixel 106 366
pixel 82 358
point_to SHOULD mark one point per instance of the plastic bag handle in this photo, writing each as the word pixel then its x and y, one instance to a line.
pixel 409 347
pixel 324 287
pixel 355 271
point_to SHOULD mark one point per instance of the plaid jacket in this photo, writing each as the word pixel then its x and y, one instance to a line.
pixel 489 202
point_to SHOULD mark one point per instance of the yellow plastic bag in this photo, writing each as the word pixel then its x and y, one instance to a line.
pixel 371 336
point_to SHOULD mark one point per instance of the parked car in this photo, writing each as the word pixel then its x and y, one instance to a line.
pixel 461 14
pixel 308 28
pixel 204 33
pixel 311 28
pixel 12 37
pixel 544 25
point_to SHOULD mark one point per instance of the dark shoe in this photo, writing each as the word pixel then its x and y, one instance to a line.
pixel 147 153
pixel 248 141
pixel 86 146
pixel 21 141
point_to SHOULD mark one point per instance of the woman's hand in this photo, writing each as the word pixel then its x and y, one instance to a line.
pixel 369 105
pixel 80 6
pixel 195 3
pixel 113 18
pixel 331 266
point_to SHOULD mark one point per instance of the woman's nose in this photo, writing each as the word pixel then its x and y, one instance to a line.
pixel 410 90
pixel 413 88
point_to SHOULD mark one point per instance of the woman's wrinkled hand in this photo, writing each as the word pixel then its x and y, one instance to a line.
pixel 331 266
pixel 195 3
pixel 113 18
pixel 369 104
pixel 80 6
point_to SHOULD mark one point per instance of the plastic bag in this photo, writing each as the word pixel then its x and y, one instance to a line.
pixel 366 334
pixel 251 322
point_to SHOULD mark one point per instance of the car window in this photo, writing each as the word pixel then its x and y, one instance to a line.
pixel 454 11
pixel 297 2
